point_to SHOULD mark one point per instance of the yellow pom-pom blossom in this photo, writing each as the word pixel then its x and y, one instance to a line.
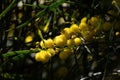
pixel 66 32
pixel 60 40
pixel 86 30
pixel 84 20
pixel 49 43
pixel 74 28
pixel 51 51
pixel 37 44
pixel 70 42
pixel 28 39
pixel 88 35
pixel 43 43
pixel 117 33
pixel 43 56
pixel 65 53
pixel 77 41
pixel 83 26
pixel 93 21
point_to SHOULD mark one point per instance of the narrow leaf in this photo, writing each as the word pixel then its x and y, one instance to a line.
pixel 7 9
pixel 39 14
pixel 56 4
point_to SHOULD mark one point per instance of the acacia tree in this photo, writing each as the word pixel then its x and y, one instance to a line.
pixel 59 39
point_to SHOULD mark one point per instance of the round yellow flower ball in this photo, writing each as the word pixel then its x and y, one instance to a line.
pixel 77 41
pixel 60 40
pixel 43 56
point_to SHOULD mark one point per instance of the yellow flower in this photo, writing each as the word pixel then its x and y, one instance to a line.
pixel 65 53
pixel 74 28
pixel 49 43
pixel 67 32
pixel 60 40
pixel 43 43
pixel 77 41
pixel 88 35
pixel 70 42
pixel 117 33
pixel 43 56
pixel 83 26
pixel 28 39
pixel 51 51
pixel 83 20
pixel 93 21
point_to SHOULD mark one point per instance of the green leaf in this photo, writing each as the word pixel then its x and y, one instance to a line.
pixel 7 9
pixel 19 57
pixel 54 5
pixel 41 6
pixel 14 53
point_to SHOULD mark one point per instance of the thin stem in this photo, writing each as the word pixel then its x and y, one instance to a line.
pixel 7 9
pixel 105 71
